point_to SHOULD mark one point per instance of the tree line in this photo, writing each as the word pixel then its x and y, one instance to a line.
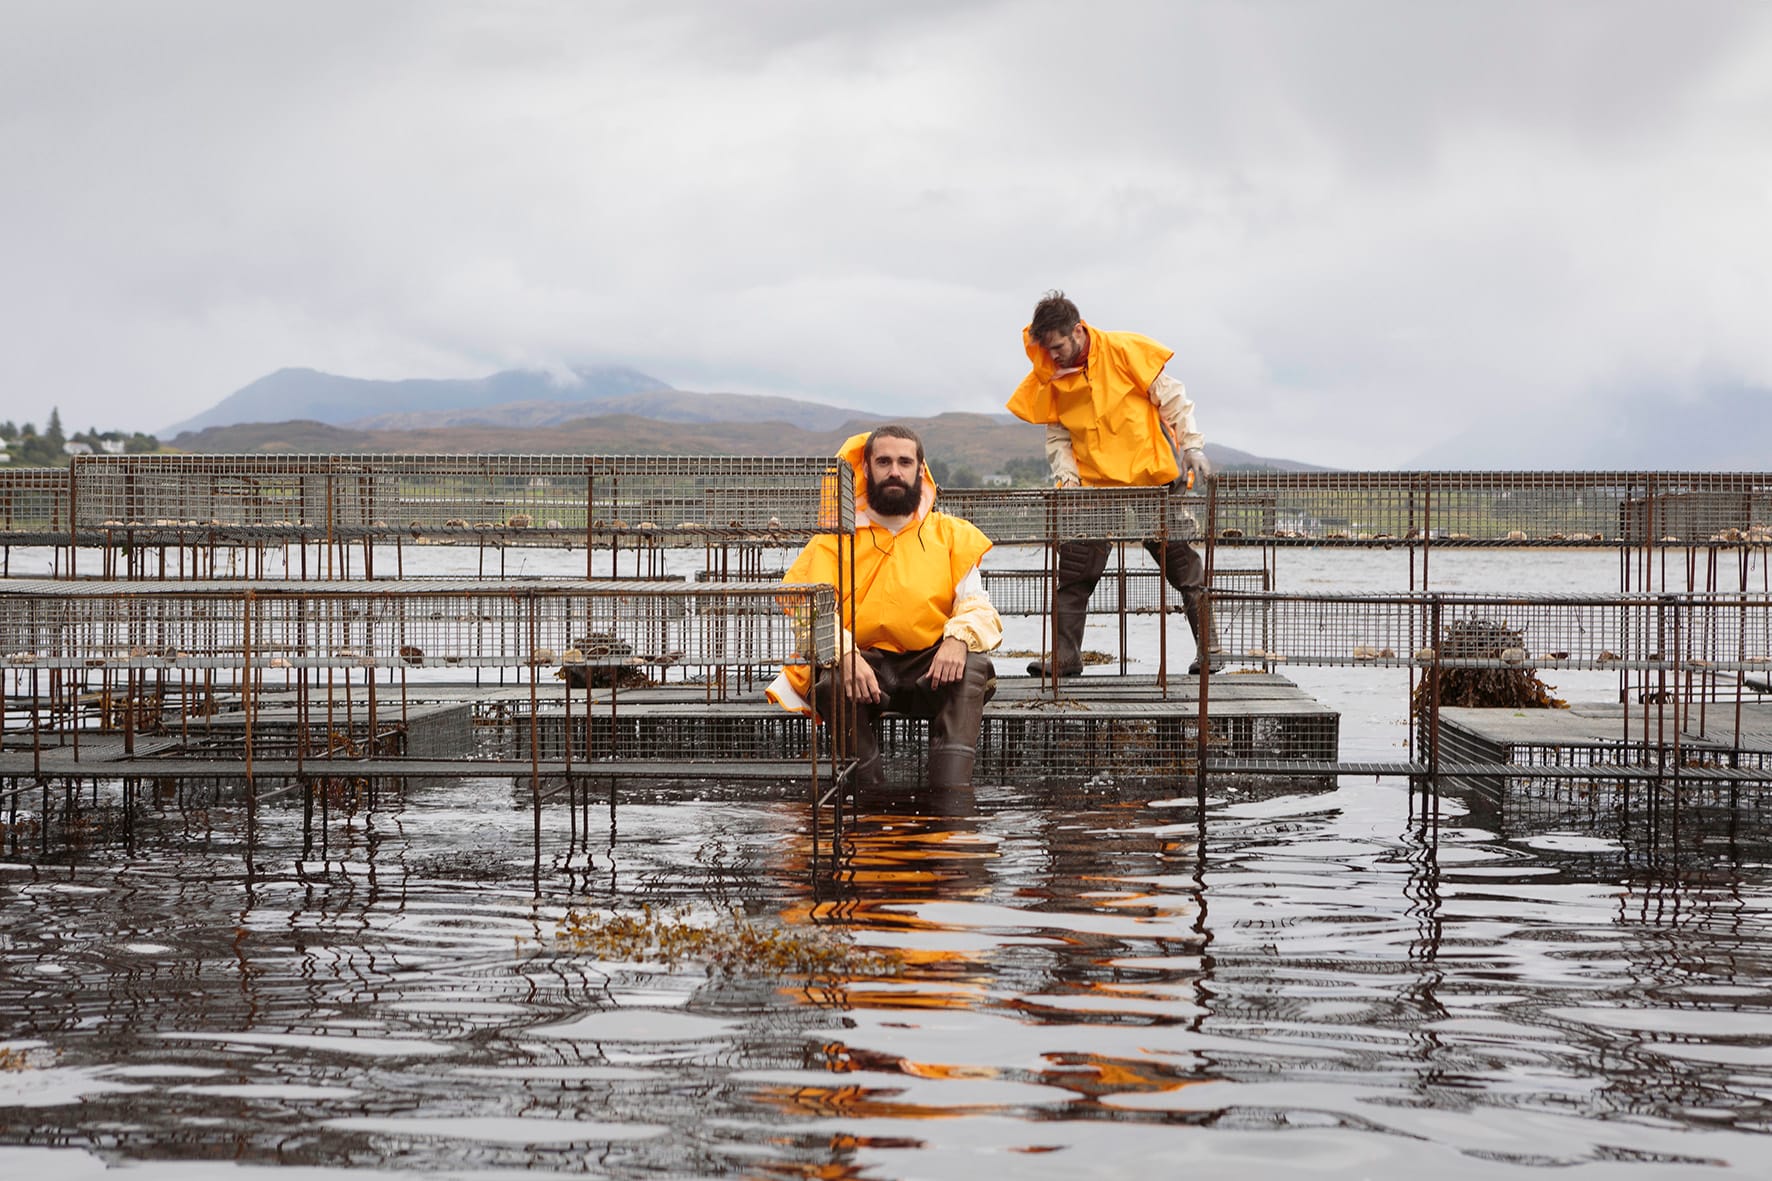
pixel 1020 470
pixel 30 448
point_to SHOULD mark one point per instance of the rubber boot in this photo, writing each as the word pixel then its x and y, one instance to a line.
pixel 953 731
pixel 1190 606
pixel 864 744
pixel 864 739
pixel 1080 564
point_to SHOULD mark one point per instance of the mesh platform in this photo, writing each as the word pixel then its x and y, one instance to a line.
pixel 1609 739
pixel 1118 726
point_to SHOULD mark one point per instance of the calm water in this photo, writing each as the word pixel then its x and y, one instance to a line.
pixel 1095 980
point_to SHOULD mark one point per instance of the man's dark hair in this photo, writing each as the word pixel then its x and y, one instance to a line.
pixel 891 431
pixel 1054 313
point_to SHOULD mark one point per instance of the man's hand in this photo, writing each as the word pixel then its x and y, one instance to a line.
pixel 1195 463
pixel 859 682
pixel 949 664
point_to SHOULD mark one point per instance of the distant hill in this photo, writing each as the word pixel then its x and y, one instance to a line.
pixel 982 442
pixel 664 404
pixel 606 410
pixel 326 397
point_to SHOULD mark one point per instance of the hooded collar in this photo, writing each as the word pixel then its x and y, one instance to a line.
pixel 1042 360
pixel 1046 378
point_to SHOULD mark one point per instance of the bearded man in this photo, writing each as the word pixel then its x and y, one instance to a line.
pixel 922 618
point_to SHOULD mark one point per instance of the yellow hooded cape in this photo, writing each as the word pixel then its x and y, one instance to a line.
pixel 1116 433
pixel 903 585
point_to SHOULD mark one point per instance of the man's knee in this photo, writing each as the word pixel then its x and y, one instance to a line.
pixel 980 677
pixel 1181 563
pixel 1082 561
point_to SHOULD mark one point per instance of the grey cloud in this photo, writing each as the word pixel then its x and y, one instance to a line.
pixel 1358 224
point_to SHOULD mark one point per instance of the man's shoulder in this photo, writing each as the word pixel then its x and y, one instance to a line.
pixel 955 527
pixel 1134 342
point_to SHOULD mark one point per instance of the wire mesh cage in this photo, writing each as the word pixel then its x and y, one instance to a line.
pixel 1133 590
pixel 716 733
pixel 347 495
pixel 33 504
pixel 1008 515
pixel 1493 508
pixel 294 493
pixel 436 623
pixel 794 497
pixel 1614 631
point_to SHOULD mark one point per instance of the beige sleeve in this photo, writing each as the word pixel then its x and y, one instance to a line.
pixel 1176 411
pixel 1062 458
pixel 975 621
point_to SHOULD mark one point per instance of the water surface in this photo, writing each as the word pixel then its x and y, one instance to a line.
pixel 1092 979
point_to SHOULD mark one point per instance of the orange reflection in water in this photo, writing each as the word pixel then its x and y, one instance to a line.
pixel 928 889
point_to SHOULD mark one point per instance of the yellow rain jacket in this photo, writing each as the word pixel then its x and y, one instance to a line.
pixel 1116 432
pixel 904 583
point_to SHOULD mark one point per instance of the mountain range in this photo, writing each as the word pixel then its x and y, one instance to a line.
pixel 611 409
pixel 594 410
pixel 510 398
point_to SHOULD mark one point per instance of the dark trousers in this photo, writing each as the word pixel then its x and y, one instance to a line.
pixel 954 710
pixel 1080 566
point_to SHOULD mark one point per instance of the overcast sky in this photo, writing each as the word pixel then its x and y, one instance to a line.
pixel 1361 226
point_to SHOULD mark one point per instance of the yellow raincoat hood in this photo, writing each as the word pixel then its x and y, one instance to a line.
pixel 854 453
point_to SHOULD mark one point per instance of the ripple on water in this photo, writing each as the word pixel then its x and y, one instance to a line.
pixel 268 1091
pixel 640 1025
pixel 339 1043
pixel 1682 1022
pixel 496 1130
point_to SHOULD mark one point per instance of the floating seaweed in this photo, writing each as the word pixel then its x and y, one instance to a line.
pixel 1087 656
pixel 730 944
pixel 14 1060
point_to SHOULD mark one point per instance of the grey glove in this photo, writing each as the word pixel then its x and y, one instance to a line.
pixel 1193 463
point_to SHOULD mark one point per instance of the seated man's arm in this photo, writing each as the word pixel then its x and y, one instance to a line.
pixel 974 626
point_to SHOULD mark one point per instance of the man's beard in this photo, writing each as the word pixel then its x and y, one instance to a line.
pixel 892 499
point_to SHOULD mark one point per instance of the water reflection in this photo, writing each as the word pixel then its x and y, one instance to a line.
pixel 1024 958
pixel 1085 973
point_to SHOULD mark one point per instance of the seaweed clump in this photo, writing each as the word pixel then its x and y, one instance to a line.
pixel 731 945
pixel 601 662
pixel 1514 685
